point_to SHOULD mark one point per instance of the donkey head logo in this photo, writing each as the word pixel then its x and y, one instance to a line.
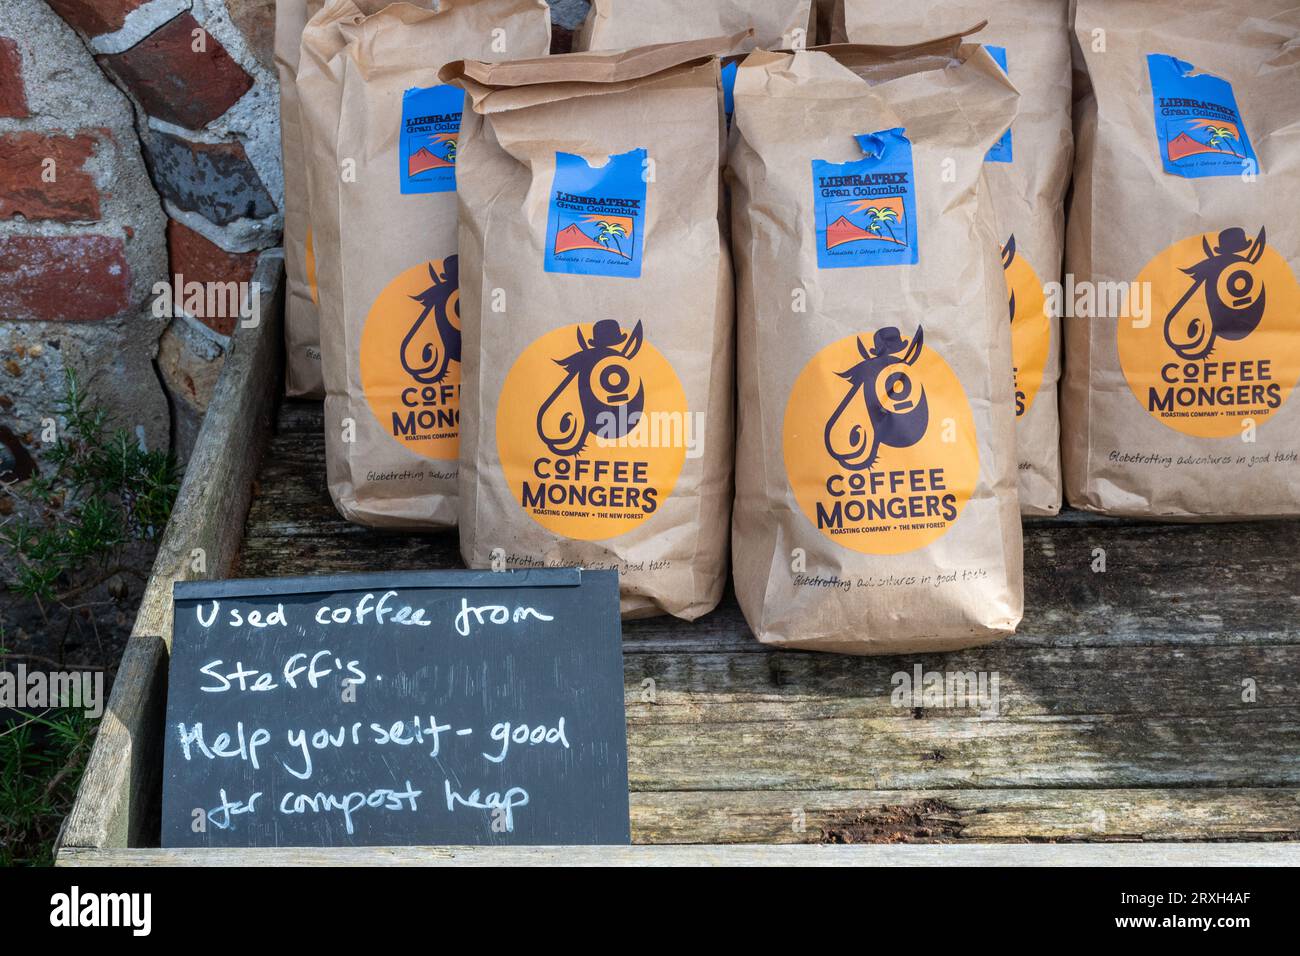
pixel 600 392
pixel 882 384
pixel 1008 257
pixel 429 348
pixel 1233 300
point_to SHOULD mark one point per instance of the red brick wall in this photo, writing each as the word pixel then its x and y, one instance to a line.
pixel 77 278
pixel 173 81
pixel 13 98
pixel 43 176
pixel 212 150
pixel 94 17
pixel 82 233
pixel 185 182
pixel 213 159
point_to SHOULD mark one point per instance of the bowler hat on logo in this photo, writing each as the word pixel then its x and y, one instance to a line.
pixel 1232 240
pixel 607 333
pixel 887 341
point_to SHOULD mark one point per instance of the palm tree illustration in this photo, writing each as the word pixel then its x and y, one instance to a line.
pixel 451 151
pixel 877 218
pixel 1220 136
pixel 608 231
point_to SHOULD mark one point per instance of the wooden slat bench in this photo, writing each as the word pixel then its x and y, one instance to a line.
pixel 1153 701
pixel 1122 712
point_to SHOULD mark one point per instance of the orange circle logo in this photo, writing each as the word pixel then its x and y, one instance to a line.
pixel 1220 343
pixel 592 429
pixel 410 359
pixel 1031 328
pixel 879 443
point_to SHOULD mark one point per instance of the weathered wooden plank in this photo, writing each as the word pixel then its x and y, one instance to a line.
pixel 1093 717
pixel 983 816
pixel 120 783
pixel 300 415
pixel 312 553
pixel 1108 750
pixel 1041 854
pixel 1221 584
pixel 692 689
pixel 1179 584
pixel 1058 614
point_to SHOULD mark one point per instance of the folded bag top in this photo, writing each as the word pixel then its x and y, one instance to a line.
pixel 517 84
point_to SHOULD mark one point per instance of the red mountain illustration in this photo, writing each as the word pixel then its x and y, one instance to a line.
pixel 424 159
pixel 842 231
pixel 1184 145
pixel 571 237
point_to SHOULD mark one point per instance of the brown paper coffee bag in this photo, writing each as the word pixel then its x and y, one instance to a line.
pixel 302 378
pixel 1182 334
pixel 622 24
pixel 597 379
pixel 382 154
pixel 1029 172
pixel 876 505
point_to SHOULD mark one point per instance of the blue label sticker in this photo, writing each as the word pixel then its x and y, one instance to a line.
pixel 1200 130
pixel 430 126
pixel 999 152
pixel 596 225
pixel 866 209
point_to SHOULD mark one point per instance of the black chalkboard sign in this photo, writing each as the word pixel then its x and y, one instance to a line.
pixel 456 707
